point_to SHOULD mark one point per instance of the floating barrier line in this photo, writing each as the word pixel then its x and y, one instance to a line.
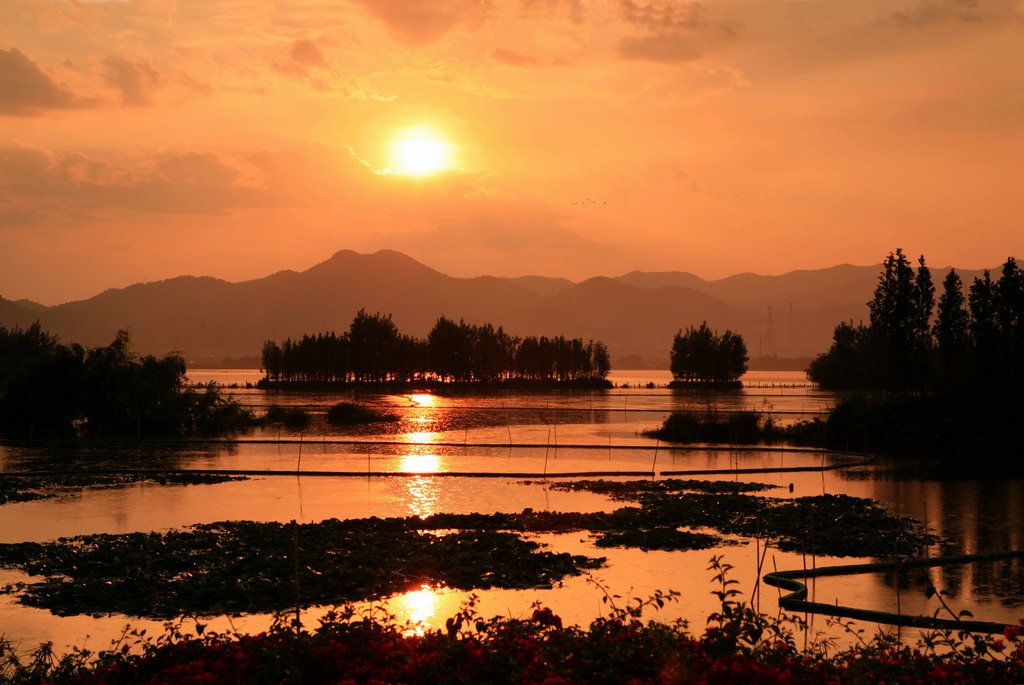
pixel 461 474
pixel 786 469
pixel 312 441
pixel 796 599
pixel 667 410
pixel 343 474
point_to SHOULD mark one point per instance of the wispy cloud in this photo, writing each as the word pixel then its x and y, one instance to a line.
pixel 26 89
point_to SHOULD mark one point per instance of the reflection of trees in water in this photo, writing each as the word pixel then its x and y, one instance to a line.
pixel 1001 581
pixel 974 516
pixel 441 419
pixel 424 419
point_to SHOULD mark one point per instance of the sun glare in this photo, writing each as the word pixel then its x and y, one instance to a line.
pixel 420 154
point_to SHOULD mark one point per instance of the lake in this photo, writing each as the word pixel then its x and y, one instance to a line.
pixel 515 433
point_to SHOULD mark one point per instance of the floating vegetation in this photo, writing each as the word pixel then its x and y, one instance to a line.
pixel 16 490
pixel 630 489
pixel 237 567
pixel 738 645
pixel 352 413
pixel 663 538
pixel 738 428
pixel 293 418
pixel 28 488
pixel 241 567
pixel 830 525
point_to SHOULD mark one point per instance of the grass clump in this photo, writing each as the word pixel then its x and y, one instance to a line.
pixel 631 489
pixel 292 418
pixel 737 428
pixel 28 488
pixel 346 413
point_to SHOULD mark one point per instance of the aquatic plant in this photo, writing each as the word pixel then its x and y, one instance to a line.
pixel 630 489
pixel 739 427
pixel 738 645
pixel 27 488
pixel 244 566
pixel 352 413
pixel 237 567
pixel 293 418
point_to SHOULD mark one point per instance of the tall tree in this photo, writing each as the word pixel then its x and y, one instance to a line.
pixel 951 324
pixel 373 343
pixel 924 301
pixel 900 312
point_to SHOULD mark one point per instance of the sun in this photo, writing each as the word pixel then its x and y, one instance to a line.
pixel 420 154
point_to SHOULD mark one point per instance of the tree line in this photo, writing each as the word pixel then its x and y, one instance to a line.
pixel 936 376
pixel 51 390
pixel 969 339
pixel 373 350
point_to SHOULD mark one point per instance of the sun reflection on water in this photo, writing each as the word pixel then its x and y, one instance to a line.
pixel 417 607
pixel 428 437
pixel 420 463
pixel 423 493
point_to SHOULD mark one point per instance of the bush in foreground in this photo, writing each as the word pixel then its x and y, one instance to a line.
pixel 738 645
pixel 740 427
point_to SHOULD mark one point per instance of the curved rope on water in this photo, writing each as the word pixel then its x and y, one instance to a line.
pixel 796 599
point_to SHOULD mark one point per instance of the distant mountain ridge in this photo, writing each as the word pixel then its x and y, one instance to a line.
pixel 635 314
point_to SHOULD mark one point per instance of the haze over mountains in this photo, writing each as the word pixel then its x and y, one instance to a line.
pixel 636 314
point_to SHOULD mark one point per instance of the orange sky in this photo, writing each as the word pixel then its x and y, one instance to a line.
pixel 143 139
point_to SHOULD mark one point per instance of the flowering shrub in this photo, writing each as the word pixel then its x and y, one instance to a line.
pixel 739 645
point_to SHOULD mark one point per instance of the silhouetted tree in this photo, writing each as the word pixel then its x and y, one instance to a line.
pixel 984 328
pixel 968 396
pixel 372 350
pixel 51 390
pixel 900 314
pixel 701 355
pixel 952 335
pixel 39 378
pixel 1008 301
pixel 271 360
pixel 373 346
pixel 849 362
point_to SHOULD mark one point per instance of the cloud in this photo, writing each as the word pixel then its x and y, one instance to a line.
pixel 27 90
pixel 574 9
pixel 319 177
pixel 670 31
pixel 928 13
pixel 19 218
pixel 305 51
pixel 425 21
pixel 664 15
pixel 515 59
pixel 303 56
pixel 135 79
pixel 169 183
pixel 666 47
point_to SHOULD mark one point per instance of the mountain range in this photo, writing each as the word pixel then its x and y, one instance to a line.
pixel 636 314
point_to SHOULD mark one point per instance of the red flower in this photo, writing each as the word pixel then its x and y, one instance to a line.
pixel 546 617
